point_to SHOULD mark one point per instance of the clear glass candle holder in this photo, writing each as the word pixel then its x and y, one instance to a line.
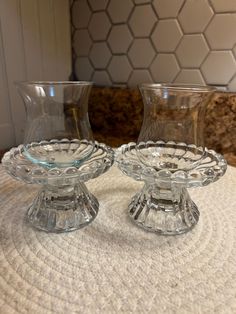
pixel 172 133
pixel 58 132
pixel 170 157
pixel 59 154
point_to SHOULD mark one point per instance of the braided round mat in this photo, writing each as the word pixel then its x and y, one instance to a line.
pixel 112 266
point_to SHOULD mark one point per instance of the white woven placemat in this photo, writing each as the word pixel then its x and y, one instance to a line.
pixel 112 266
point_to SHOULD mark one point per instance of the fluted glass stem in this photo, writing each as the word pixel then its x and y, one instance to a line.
pixel 63 208
pixel 164 208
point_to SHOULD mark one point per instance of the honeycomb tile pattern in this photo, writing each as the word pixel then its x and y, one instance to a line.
pixel 166 35
pixel 127 42
pixel 100 55
pixel 197 49
pixel 142 20
pixel 135 53
pixel 119 39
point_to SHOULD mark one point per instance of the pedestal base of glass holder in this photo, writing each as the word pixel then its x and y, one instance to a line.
pixel 61 209
pixel 164 210
pixel 64 203
pixel 164 205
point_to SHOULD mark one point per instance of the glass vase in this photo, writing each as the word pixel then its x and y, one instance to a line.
pixel 57 132
pixel 173 125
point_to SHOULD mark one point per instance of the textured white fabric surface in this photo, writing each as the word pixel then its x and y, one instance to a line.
pixel 112 266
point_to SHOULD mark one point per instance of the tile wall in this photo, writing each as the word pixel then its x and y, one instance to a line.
pixel 125 42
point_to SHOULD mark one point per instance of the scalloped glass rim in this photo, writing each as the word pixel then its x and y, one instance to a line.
pixel 211 168
pixel 19 166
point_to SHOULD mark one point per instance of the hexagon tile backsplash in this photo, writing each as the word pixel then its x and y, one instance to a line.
pixel 126 42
